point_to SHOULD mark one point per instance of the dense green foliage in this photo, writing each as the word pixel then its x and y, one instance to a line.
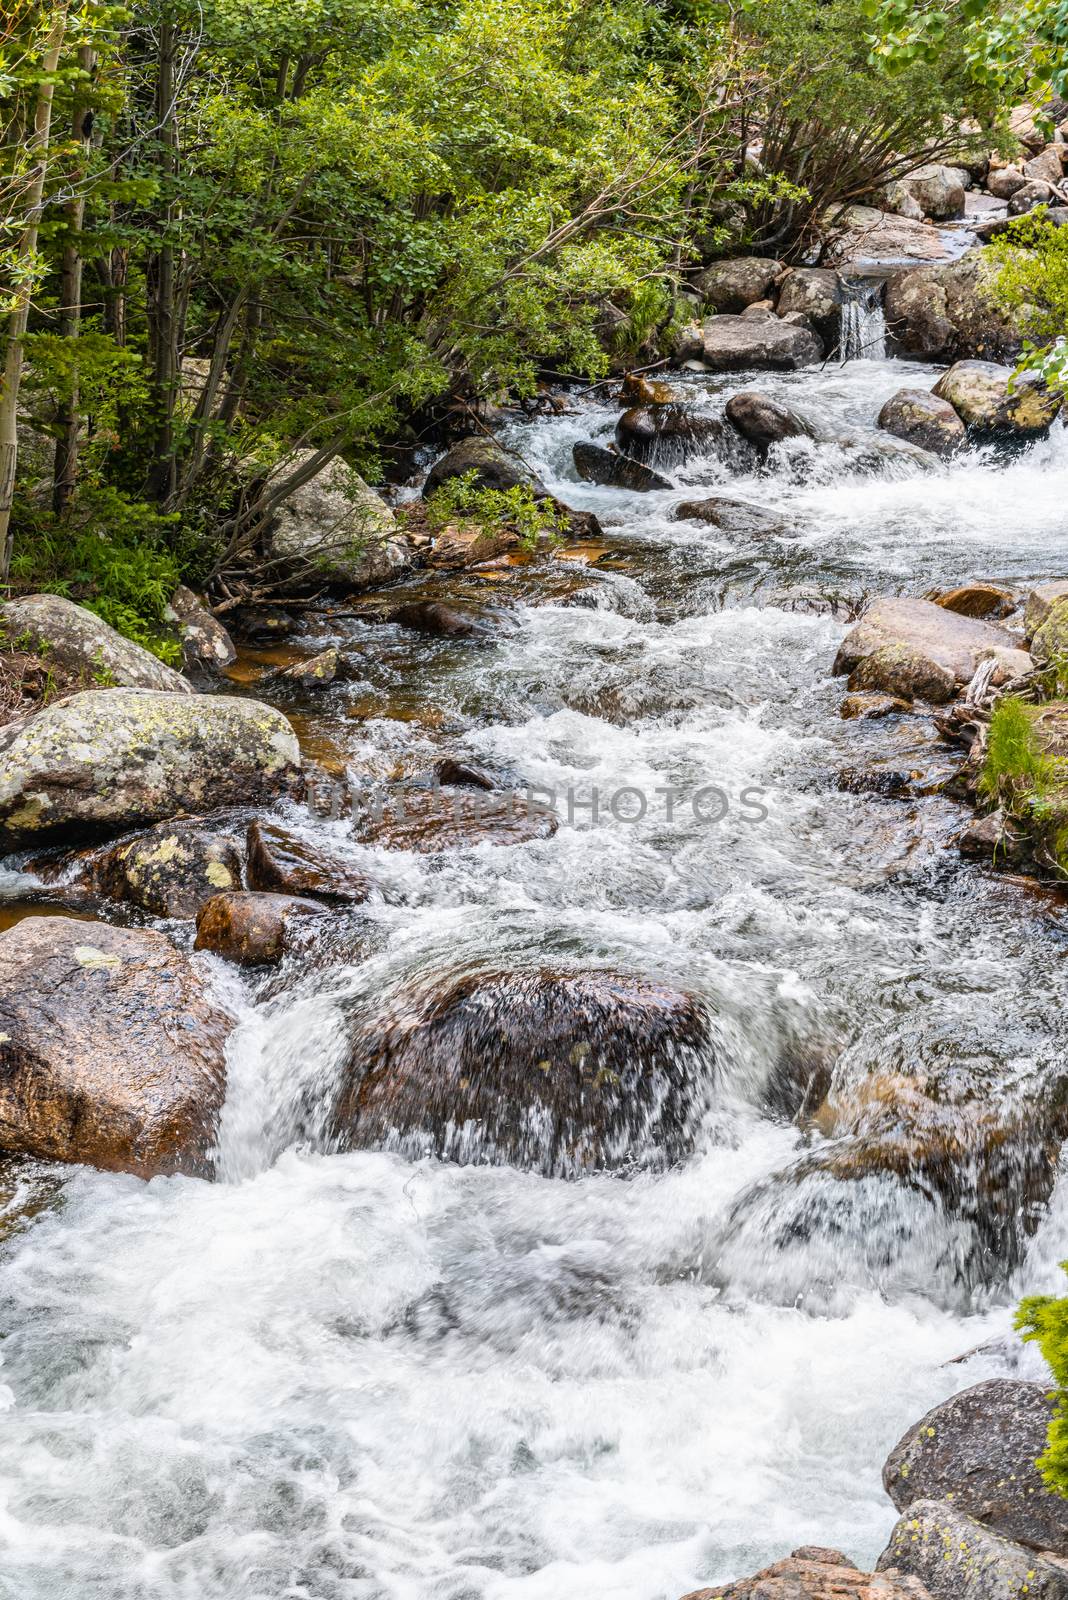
pixel 1044 1318
pixel 248 237
pixel 1032 281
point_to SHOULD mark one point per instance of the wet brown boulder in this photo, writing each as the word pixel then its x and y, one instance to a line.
pixel 733 285
pixel 311 672
pixel 957 1558
pixel 248 928
pixel 110 759
pixel 813 1573
pixel 978 1449
pixel 83 643
pixel 494 466
pixel 731 344
pixel 558 1072
pixel 869 706
pixel 170 870
pixel 923 419
pixel 665 434
pixel 281 862
pixel 464 545
pixel 764 421
pixel 454 818
pixel 436 618
pixel 977 600
pixel 916 648
pixel 597 465
pixel 110 1052
pixel 207 648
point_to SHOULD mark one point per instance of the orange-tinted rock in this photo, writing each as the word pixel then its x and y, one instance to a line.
pixel 812 1573
pixel 250 928
pixel 110 1052
pixel 281 863
pixel 558 1072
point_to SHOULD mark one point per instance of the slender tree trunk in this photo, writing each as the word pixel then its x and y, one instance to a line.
pixel 20 315
pixel 65 476
pixel 165 360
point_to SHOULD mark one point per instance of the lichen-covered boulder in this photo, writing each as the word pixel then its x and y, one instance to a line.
pixel 1050 639
pixel 814 1573
pixel 595 464
pixel 731 344
pixel 733 285
pixel 764 421
pixel 989 399
pixel 978 1449
pixel 916 648
pixel 251 929
pixel 923 419
pixel 170 870
pixel 111 1053
pixel 957 1558
pixel 335 530
pixel 84 644
pixel 1028 196
pixel 946 312
pixel 106 760
pixel 1040 602
pixel 938 190
pixel 559 1072
pixel 815 293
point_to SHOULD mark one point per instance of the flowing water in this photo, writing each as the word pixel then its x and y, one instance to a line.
pixel 353 1376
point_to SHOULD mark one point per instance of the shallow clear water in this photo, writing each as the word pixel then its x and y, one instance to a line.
pixel 352 1377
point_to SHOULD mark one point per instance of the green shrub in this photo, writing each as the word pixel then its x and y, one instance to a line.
pixel 1044 1319
pixel 516 510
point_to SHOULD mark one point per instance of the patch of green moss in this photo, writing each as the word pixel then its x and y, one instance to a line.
pixel 1027 782
pixel 1044 1319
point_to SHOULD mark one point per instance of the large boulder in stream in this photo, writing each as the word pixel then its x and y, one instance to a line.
pixel 946 313
pixel 665 435
pixel 250 929
pixel 764 421
pixel 815 1573
pixel 957 1558
pixel 938 190
pixel 595 464
pixel 494 466
pixel 558 1072
pixel 453 817
pixel 731 516
pixel 917 649
pixel 815 293
pixel 864 234
pixel 732 285
pixel 108 759
pixel 168 871
pixel 923 419
pixel 991 400
pixel 978 1449
pixel 283 863
pixel 335 530
pixel 732 344
pixel 111 1053
pixel 83 644
pixel 207 648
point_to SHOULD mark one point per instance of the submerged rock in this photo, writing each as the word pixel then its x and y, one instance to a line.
pixel 915 648
pixel 733 285
pixel 597 465
pixel 958 1558
pixel 978 1449
pixel 335 530
pixel 110 1052
pixel 923 419
pixel 554 1071
pixel 281 862
pixel 977 600
pixel 454 818
pixel 99 762
pixel 83 643
pixel 990 399
pixel 814 1573
pixel 730 516
pixel 764 421
pixel 730 344
pixel 251 929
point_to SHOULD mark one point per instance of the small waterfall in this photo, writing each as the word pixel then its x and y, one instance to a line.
pixel 863 335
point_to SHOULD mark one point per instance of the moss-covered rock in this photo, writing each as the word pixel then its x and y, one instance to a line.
pixel 991 400
pixel 103 761
pixel 83 643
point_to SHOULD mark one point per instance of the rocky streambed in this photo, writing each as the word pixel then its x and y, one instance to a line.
pixel 626 1101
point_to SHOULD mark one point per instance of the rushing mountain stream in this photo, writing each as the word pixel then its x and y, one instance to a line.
pixel 376 1375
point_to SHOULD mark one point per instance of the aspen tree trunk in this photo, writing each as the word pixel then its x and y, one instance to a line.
pixel 65 476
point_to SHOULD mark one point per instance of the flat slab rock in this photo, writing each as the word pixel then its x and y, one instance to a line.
pixel 957 1558
pixel 813 1573
pixel 979 1449
pixel 111 1053
pixel 916 648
